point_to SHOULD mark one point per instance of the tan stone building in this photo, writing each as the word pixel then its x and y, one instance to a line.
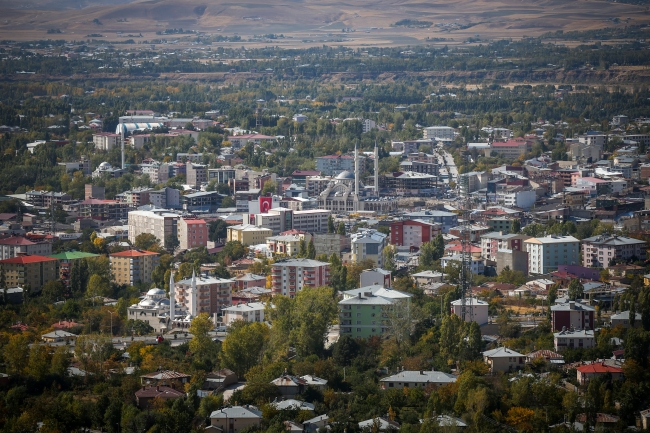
pixel 248 234
pixel 132 266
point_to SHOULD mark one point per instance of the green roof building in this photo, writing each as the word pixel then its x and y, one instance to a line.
pixel 66 259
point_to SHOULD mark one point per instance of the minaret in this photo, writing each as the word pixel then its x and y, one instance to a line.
pixel 172 301
pixel 356 178
pixel 376 169
pixel 193 306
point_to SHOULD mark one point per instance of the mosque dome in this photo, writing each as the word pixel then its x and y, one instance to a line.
pixel 345 175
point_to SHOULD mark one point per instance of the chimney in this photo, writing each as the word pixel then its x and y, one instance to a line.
pixel 572 305
pixel 157 388
pixel 359 295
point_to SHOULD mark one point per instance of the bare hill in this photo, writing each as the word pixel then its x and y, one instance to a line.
pixel 306 19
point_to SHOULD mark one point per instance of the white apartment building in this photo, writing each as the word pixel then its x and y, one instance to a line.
pixel 249 312
pixel 368 244
pixel 282 219
pixel 106 140
pixel 368 125
pixel 441 132
pixel 151 170
pixel 158 223
pixel 546 253
pixel 522 199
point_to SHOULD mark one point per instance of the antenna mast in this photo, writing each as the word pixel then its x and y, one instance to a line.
pixel 466 310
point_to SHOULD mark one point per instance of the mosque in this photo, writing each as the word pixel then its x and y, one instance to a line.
pixel 155 308
pixel 342 194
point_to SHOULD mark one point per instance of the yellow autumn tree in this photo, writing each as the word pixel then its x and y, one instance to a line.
pixel 521 418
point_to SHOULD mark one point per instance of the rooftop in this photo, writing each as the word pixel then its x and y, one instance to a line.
pixel 27 259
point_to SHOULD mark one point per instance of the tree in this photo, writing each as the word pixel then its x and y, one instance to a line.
pixel 521 418
pixel 516 226
pixel 431 251
pixel 302 248
pixel 575 290
pixel 171 243
pixel 345 350
pixel 16 353
pixel 98 286
pixel 79 277
pixel 450 337
pixel 60 361
pixel 270 187
pixel 39 362
pixel 311 250
pixel 201 343
pixel 244 345
pixel 330 224
pixel 53 291
pixel 389 257
pixel 341 229
pixel 227 202
pixel 148 242
pixel 401 317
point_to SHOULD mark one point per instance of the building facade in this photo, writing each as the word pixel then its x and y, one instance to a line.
pixel 213 294
pixel 132 266
pixel 192 233
pixel 290 276
pixel 368 244
pixel 14 246
pixel 30 270
pixel 248 234
pixel 600 251
pixel 547 253
pixel 161 224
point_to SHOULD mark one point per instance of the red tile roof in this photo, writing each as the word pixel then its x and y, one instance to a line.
pixel 27 259
pixel 159 392
pixel 16 240
pixel 133 253
pixel 598 367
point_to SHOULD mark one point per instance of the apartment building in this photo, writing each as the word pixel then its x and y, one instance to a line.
pixel 447 220
pixel 492 242
pixel 248 234
pixel 600 251
pixel 66 261
pixel 439 132
pixel 14 246
pixel 161 224
pixel 368 244
pixel 287 244
pixel 413 232
pixel 419 167
pixel 106 141
pixel 104 209
pixel 472 181
pixel 280 219
pixel 574 339
pixel 212 294
pixel 192 233
pixel 47 198
pixel 248 312
pixel 33 270
pixel 547 253
pixel 290 276
pixel 511 149
pixel 196 174
pixel 572 315
pixel 363 312
pixel 165 198
pixel 332 165
pixel 132 266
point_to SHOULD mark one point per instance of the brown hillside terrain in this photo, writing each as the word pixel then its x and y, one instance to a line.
pixel 313 21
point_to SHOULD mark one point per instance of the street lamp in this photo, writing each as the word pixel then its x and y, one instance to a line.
pixel 111 313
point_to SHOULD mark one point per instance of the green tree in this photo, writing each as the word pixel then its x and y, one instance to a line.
pixel 171 243
pixel 39 362
pixel 302 248
pixel 270 187
pixel 98 286
pixel 311 250
pixel 389 257
pixel 201 343
pixel 575 290
pixel 330 224
pixel 16 354
pixel 227 202
pixel 60 361
pixel 451 331
pixel 516 226
pixel 244 345
pixel 148 242
pixel 53 291
pixel 341 229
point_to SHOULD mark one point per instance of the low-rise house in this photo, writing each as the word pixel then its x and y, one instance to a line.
pixel 588 372
pixel 570 339
pixel 290 386
pixel 623 319
pixel 216 381
pixel 417 379
pixel 291 404
pixel 145 398
pixel 504 359
pixel 165 378
pixel 234 419
pixel 427 277
pixel 547 355
pixel 379 424
pixel 476 310
pixel 59 336
pixel 316 382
